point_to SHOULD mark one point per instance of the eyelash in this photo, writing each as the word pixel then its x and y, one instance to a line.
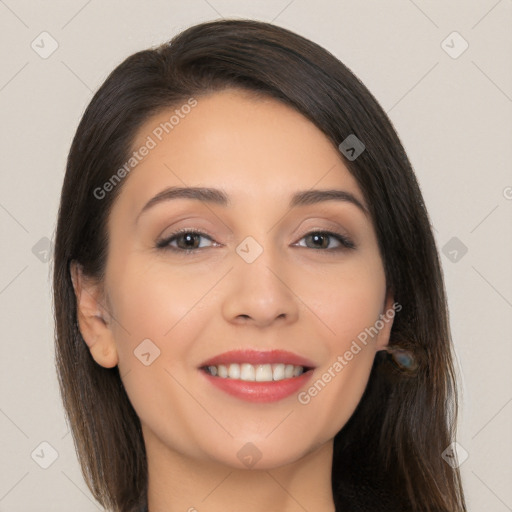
pixel 346 243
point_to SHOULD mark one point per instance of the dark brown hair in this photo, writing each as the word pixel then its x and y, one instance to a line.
pixel 388 455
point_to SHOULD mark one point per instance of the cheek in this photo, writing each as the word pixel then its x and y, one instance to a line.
pixel 347 300
pixel 150 303
pixel 348 307
pixel 351 313
pixel 172 308
pixel 152 299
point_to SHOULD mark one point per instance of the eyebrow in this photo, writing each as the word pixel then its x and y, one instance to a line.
pixel 218 197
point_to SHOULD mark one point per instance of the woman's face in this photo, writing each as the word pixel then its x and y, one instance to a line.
pixel 257 278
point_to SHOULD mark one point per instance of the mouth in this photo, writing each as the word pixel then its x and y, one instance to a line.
pixel 257 376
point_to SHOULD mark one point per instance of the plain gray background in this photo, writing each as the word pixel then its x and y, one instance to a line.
pixel 451 106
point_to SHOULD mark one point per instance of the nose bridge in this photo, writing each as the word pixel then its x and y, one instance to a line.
pixel 259 289
pixel 258 261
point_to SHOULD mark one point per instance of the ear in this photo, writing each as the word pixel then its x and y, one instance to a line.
pixel 93 318
pixel 386 317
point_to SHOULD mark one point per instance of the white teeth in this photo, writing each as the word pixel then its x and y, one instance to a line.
pixel 234 371
pixel 278 372
pixel 288 371
pixel 258 373
pixel 247 372
pixel 264 373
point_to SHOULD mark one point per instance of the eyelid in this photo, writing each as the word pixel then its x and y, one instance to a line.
pixel 346 241
pixel 162 243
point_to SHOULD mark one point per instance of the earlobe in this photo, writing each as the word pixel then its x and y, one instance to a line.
pixel 93 318
pixel 105 354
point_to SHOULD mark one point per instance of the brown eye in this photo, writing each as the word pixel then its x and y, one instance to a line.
pixel 187 240
pixel 322 240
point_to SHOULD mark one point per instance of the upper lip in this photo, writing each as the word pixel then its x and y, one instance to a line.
pixel 258 357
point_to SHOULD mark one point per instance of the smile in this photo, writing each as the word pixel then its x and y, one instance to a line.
pixel 257 376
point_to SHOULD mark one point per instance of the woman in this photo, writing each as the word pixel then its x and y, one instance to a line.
pixel 250 309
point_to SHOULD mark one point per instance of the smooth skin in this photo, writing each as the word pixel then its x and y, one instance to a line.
pixel 300 294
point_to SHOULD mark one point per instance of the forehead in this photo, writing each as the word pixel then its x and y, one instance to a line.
pixel 247 145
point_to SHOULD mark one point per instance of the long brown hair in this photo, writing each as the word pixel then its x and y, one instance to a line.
pixel 388 455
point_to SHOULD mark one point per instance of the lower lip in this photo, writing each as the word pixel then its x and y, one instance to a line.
pixel 259 391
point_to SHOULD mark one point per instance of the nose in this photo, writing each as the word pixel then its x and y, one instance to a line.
pixel 260 293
